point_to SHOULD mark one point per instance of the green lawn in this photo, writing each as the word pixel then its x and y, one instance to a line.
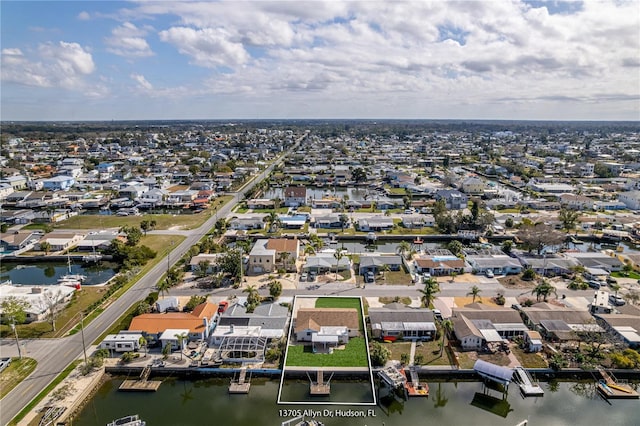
pixel 15 373
pixel 529 360
pixel 634 275
pixel 353 355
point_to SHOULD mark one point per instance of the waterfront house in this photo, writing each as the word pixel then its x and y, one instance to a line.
pixel 124 341
pixel 476 325
pixel 267 252
pixel 17 240
pixel 438 263
pixel 199 323
pixel 559 324
pixel 623 326
pixel 597 261
pixel 268 321
pixel 398 321
pixel 326 327
pixel 295 196
pixel 375 224
pixel 59 241
pixel 293 222
pixel 498 264
pixel 330 221
pixel 324 262
pixel 377 263
pixel 38 298
pixel 97 241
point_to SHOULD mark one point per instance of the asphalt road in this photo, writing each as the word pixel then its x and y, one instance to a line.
pixel 53 355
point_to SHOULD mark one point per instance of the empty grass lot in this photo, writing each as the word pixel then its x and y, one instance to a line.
pixel 163 221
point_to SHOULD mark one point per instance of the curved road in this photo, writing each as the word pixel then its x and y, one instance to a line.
pixel 53 355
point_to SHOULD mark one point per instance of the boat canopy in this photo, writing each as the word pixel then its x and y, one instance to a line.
pixel 493 372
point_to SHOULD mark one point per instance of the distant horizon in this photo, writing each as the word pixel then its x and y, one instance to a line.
pixel 474 120
pixel 527 60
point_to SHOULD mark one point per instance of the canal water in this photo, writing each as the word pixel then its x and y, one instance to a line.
pixel 206 402
pixel 48 272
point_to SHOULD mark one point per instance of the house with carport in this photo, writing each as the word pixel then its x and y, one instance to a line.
pixel 396 321
pixel 476 325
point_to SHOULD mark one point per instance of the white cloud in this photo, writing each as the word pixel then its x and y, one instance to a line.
pixel 142 82
pixel 59 64
pixel 84 16
pixel 128 40
pixel 208 47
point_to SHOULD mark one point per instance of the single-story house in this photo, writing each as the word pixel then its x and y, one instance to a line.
pixel 17 240
pixel 398 321
pixel 439 262
pixel 624 326
pixel 325 262
pixel 376 263
pixel 247 223
pixel 326 327
pixel 477 324
pixel 124 341
pixel 498 264
pixel 59 241
pixel 209 259
pixel 558 323
pixel 38 298
pixel 376 223
pixel 597 260
pixel 267 321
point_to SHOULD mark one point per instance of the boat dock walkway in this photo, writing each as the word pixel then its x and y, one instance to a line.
pixel 413 386
pixel 241 385
pixel 320 387
pixel 526 383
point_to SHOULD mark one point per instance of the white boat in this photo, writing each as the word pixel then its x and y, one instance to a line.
pixel 133 420
pixel 72 280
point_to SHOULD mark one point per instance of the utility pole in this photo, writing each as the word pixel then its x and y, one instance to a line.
pixel 84 347
pixel 15 332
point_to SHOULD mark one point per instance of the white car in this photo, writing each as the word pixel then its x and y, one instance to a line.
pixel 489 273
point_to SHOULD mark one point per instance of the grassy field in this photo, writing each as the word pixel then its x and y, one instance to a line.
pixel 15 373
pixel 393 278
pixel 634 275
pixel 163 221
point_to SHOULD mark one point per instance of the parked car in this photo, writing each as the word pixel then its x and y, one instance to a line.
pixel 4 363
pixel 437 314
pixel 593 284
pixel 369 277
pixel 304 276
pixel 489 273
pixel 313 275
pixel 611 280
pixel 616 300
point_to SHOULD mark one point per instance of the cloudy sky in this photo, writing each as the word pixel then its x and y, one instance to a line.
pixel 499 59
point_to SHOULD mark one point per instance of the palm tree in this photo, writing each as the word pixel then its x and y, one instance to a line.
pixel 403 248
pixel 615 287
pixel 273 220
pixel 181 338
pixel 338 255
pixel 475 291
pixel 45 246
pixel 163 286
pixel 143 344
pixel 447 326
pixel 284 256
pixel 253 297
pixel 544 289
pixel 431 287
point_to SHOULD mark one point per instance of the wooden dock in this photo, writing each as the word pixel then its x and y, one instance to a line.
pixel 413 386
pixel 143 384
pixel 320 387
pixel 611 389
pixel 140 385
pixel 241 385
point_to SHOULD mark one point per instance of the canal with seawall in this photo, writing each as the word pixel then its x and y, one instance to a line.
pixel 207 402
